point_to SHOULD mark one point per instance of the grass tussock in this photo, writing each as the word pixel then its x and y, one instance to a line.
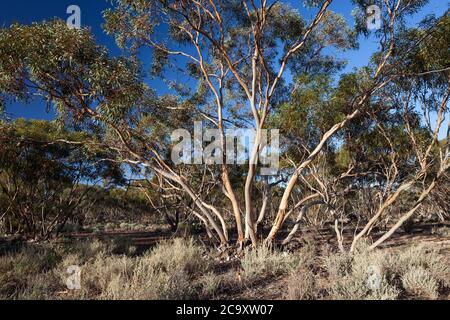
pixel 264 262
pixel 302 286
pixel 418 281
pixel 166 272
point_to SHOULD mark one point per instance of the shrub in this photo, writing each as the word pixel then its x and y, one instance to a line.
pixel 382 274
pixel 86 250
pixel 355 287
pixel 18 269
pixel 337 264
pixel 178 255
pixel 106 277
pixel 362 275
pixel 419 282
pixel 429 259
pixel 180 269
pixel 302 285
pixel 441 231
pixel 264 262
pixel 110 226
pixel 42 286
pixel 124 226
pixel 121 245
pixel 302 282
pixel 169 271
pixel 210 283
pixel 166 272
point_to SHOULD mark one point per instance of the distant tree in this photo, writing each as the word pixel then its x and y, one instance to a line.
pixel 45 181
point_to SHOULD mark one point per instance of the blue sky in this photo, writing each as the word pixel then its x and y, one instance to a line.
pixel 26 11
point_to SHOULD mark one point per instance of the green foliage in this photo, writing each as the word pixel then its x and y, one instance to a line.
pixel 58 63
pixel 42 178
pixel 405 9
pixel 110 113
pixel 135 26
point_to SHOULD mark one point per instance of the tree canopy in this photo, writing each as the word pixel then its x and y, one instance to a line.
pixel 238 64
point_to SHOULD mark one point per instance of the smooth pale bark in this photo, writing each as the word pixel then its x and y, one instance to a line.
pixel 301 202
pixel 249 218
pixel 262 212
pixel 282 208
pixel 386 204
pixel 219 102
pixel 293 180
pixel 259 119
pixel 166 172
pixel 221 219
pixel 203 209
pixel 339 236
pixel 302 212
pixel 285 199
pixel 200 204
pixel 234 203
pixel 408 214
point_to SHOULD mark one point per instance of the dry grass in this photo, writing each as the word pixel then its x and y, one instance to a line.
pixel 210 284
pixel 18 270
pixel 384 275
pixel 419 282
pixel 181 256
pixel 265 262
pixel 167 272
pixel 181 269
pixel 170 271
pixel 302 286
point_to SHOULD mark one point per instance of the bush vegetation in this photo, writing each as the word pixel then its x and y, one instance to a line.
pixel 181 269
pixel 362 158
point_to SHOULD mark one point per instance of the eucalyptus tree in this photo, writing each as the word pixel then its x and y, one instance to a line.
pixel 419 99
pixel 93 92
pixel 391 160
pixel 44 180
pixel 235 54
pixel 233 58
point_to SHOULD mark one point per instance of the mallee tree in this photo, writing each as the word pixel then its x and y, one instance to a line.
pixel 258 65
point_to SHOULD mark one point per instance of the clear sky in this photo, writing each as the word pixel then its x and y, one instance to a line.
pixel 28 11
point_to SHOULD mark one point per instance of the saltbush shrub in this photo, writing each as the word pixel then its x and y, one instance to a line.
pixel 263 262
pixel 419 282
pixel 382 274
